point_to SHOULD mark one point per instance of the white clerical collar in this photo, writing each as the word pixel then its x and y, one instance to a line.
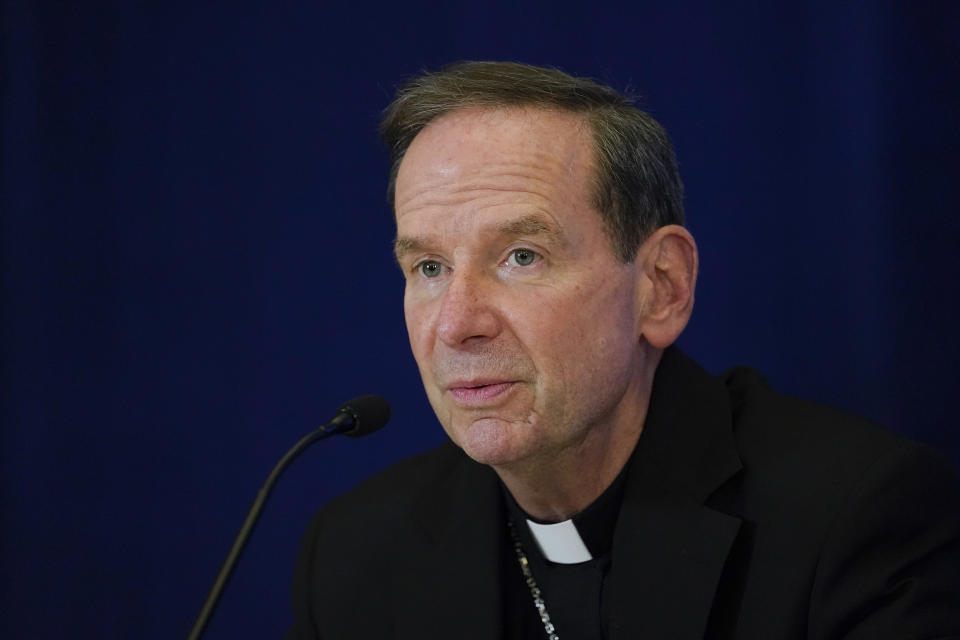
pixel 560 542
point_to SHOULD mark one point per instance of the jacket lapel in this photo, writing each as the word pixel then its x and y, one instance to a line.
pixel 669 548
pixel 666 570
pixel 448 585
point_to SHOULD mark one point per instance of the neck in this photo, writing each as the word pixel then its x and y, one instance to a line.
pixel 565 486
pixel 560 484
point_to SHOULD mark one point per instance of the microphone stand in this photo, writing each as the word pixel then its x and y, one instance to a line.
pixel 342 423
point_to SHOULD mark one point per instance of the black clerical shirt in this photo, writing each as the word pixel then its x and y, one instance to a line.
pixel 573 593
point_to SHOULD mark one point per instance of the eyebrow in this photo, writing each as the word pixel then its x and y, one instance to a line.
pixel 531 225
pixel 406 244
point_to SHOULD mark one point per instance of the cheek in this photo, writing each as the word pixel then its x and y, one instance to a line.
pixel 586 340
pixel 418 331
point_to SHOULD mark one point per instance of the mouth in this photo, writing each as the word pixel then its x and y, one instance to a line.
pixel 479 392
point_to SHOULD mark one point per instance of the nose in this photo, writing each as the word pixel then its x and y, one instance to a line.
pixel 468 312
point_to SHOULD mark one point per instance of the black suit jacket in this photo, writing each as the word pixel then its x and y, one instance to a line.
pixel 746 514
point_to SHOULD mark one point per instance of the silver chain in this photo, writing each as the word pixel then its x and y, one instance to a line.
pixel 532 585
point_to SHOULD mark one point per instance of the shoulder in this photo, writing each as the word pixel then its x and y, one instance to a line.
pixel 866 522
pixel 363 531
pixel 789 436
pixel 395 491
pixel 827 464
pixel 812 475
pixel 361 534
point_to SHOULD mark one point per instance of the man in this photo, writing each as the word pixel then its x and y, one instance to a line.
pixel 600 484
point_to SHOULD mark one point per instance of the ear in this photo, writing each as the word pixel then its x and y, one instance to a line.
pixel 668 263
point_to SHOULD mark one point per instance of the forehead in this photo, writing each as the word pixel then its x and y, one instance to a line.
pixel 483 149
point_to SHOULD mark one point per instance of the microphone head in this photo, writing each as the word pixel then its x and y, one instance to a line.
pixel 369 413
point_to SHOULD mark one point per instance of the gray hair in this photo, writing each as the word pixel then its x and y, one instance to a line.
pixel 636 186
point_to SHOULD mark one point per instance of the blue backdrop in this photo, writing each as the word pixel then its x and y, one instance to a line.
pixel 196 263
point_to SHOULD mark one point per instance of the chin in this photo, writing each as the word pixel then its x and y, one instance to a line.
pixel 494 442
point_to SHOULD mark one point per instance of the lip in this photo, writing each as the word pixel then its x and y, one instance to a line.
pixel 478 392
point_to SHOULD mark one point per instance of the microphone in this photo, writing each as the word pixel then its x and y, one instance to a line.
pixel 359 417
pixel 362 415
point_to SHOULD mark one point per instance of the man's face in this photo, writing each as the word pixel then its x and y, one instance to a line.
pixel 522 321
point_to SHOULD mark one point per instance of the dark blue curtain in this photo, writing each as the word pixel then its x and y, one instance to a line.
pixel 196 263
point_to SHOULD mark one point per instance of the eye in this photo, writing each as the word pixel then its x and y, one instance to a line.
pixel 430 268
pixel 523 257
